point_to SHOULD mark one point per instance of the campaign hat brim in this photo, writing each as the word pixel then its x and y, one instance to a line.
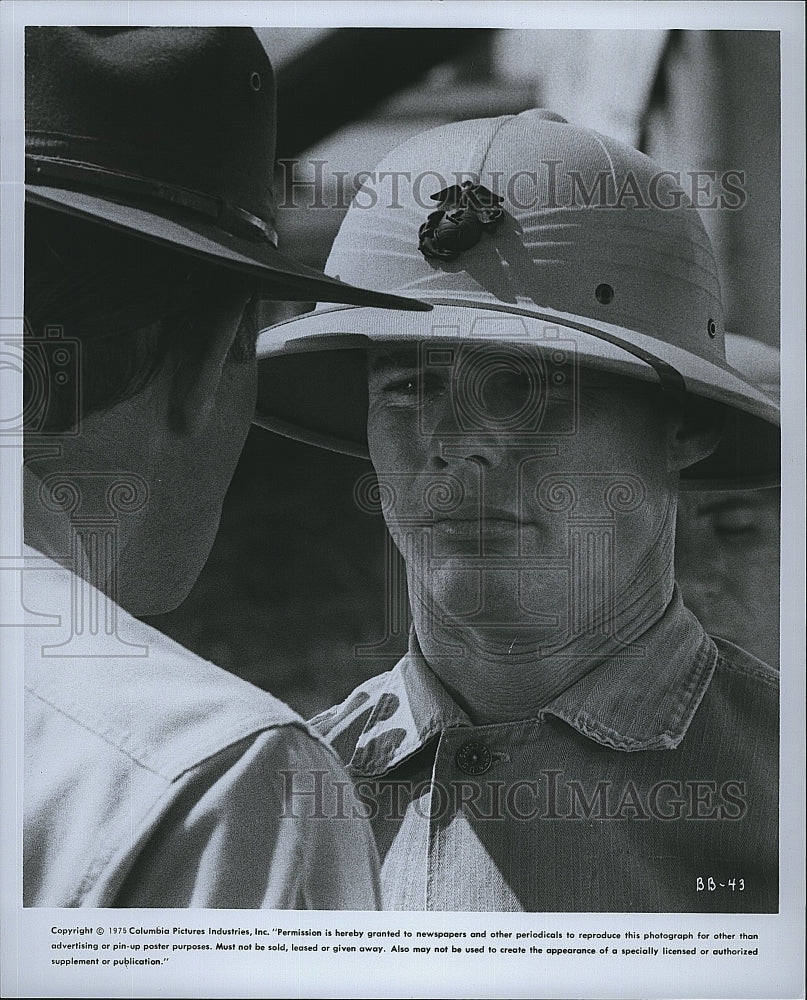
pixel 276 275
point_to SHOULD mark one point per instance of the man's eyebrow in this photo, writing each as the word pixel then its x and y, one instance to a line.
pixel 395 358
pixel 719 505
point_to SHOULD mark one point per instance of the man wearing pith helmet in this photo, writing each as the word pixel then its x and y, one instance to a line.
pixel 561 734
pixel 153 778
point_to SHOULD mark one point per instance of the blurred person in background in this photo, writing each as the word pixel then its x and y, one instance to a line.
pixel 153 777
pixel 727 543
pixel 562 734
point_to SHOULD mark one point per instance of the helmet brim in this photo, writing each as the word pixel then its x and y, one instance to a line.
pixel 312 377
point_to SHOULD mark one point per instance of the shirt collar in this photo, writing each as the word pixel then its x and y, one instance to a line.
pixel 643 698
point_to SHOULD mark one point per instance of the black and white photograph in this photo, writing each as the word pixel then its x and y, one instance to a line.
pixel 403 492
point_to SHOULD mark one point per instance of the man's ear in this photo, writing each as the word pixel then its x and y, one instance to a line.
pixel 198 375
pixel 694 430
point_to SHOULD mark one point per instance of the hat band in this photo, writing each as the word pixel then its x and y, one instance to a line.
pixel 59 172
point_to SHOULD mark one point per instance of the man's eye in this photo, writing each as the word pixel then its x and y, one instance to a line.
pixel 735 524
pixel 413 386
pixel 403 386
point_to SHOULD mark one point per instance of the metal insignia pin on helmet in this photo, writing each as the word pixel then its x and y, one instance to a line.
pixel 589 242
pixel 465 212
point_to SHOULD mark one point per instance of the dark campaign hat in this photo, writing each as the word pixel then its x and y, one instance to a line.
pixel 169 134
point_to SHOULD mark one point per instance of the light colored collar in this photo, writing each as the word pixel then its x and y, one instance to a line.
pixel 641 700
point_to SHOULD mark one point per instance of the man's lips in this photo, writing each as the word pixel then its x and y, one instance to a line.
pixel 489 523
pixel 489 516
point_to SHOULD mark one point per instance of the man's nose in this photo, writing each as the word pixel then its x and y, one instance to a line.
pixel 454 441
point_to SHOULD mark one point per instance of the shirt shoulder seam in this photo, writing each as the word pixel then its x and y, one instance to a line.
pixel 228 738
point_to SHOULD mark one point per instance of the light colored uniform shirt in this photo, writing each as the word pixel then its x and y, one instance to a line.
pixel 162 780
pixel 650 784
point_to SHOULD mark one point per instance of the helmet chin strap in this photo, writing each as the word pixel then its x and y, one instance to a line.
pixel 670 379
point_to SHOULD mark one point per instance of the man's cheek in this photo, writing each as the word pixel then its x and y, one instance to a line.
pixel 385 439
pixel 393 451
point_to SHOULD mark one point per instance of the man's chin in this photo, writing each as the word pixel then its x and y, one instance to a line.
pixel 493 616
pixel 157 590
pixel 141 605
pixel 515 645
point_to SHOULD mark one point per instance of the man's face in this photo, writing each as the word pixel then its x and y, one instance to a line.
pixel 195 474
pixel 526 499
pixel 179 438
pixel 727 563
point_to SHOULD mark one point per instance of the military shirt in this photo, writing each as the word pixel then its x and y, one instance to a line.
pixel 154 778
pixel 649 785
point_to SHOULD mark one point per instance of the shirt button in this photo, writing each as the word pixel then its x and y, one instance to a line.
pixel 474 758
